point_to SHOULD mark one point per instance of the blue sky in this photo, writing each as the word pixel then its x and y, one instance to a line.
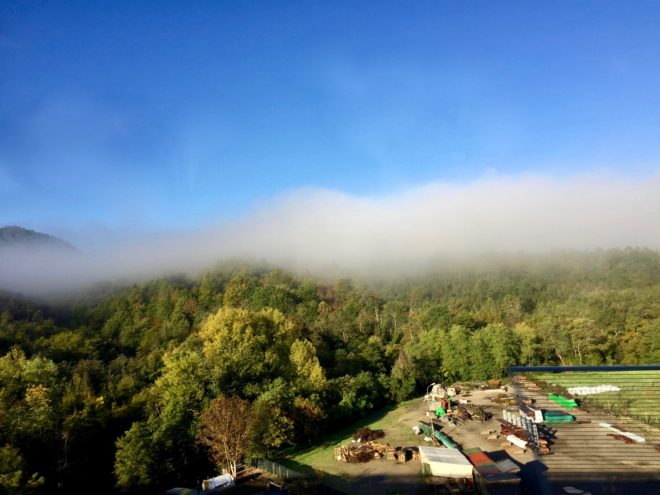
pixel 148 116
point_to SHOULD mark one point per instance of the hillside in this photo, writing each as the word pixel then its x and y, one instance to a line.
pixel 21 238
pixel 124 374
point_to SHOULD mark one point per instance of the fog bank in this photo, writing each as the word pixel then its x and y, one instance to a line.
pixel 320 231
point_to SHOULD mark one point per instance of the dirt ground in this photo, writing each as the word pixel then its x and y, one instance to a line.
pixel 469 434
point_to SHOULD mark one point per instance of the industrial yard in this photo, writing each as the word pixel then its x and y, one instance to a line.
pixel 391 476
pixel 518 438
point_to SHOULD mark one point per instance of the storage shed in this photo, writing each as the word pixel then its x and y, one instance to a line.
pixel 450 463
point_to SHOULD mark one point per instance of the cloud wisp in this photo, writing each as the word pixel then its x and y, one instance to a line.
pixel 319 230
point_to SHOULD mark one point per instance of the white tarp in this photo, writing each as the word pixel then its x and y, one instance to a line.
pixel 450 463
pixel 517 441
pixel 218 483
pixel 590 390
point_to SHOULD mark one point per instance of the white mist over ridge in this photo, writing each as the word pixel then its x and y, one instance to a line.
pixel 318 230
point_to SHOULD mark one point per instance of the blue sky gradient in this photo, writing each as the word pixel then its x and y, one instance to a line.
pixel 149 116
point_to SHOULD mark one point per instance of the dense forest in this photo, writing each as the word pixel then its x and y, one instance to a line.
pixel 106 388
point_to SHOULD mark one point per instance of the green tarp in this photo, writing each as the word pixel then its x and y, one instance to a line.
pixel 425 429
pixel 445 441
pixel 561 400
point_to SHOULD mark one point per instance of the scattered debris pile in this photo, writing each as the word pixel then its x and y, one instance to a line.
pixel 367 435
pixel 504 400
pixel 363 452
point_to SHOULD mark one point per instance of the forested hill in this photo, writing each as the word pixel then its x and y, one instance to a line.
pixel 21 238
pixel 106 390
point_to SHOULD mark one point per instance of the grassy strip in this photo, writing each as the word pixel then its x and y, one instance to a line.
pixel 319 459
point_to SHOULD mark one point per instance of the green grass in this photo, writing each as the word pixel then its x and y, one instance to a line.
pixel 639 395
pixel 321 456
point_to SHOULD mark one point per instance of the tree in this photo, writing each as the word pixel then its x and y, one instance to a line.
pixel 585 337
pixel 306 365
pixel 225 430
pixel 270 428
pixel 13 479
pixel 402 378
pixel 309 417
pixel 133 460
pixel 244 347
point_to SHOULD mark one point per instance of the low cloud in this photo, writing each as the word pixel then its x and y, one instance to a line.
pixel 320 231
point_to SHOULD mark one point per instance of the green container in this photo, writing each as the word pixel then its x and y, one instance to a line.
pixel 440 412
pixel 557 417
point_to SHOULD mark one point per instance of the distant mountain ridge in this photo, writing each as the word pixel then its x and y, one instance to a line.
pixel 19 237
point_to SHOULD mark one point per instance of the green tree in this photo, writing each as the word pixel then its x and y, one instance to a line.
pixel 308 371
pixel 134 459
pixel 270 428
pixel 243 347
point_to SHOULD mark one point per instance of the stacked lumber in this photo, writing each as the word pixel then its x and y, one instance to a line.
pixel 528 384
pixel 519 436
pixel 514 434
pixel 507 429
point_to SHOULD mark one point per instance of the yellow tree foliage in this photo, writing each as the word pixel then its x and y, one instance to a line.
pixel 225 430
